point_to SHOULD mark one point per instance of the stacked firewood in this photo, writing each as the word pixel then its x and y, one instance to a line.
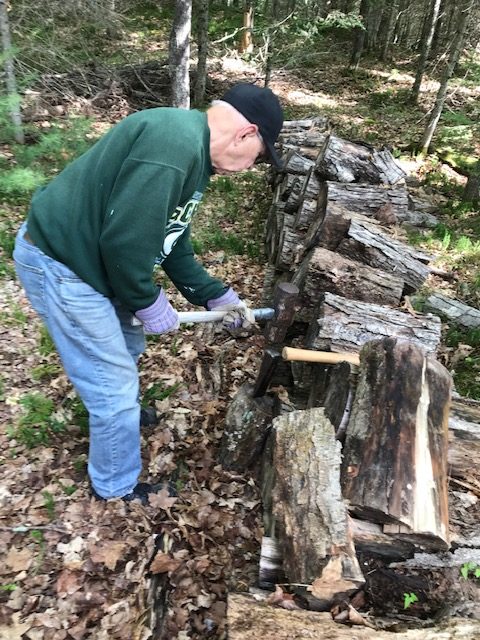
pixel 357 462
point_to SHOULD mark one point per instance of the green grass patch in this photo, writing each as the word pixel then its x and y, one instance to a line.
pixel 158 392
pixel 466 373
pixel 38 423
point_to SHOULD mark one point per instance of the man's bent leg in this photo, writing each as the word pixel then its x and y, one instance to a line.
pixel 87 333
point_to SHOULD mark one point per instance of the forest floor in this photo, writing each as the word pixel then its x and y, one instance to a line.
pixel 75 568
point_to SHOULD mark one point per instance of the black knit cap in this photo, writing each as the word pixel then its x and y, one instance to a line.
pixel 260 106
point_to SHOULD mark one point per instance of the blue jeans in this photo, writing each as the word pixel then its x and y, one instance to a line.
pixel 99 349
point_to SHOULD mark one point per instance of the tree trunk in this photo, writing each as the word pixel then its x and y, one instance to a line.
pixel 202 52
pixel 360 35
pixel 246 42
pixel 10 81
pixel 472 188
pixel 390 28
pixel 346 325
pixel 426 45
pixel 394 467
pixel 455 50
pixel 179 54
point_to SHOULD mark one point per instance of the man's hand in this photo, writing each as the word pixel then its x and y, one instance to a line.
pixel 159 317
pixel 238 315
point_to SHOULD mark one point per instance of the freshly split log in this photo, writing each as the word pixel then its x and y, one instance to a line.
pixel 323 270
pixel 312 525
pixel 394 467
pixel 454 310
pixel 343 161
pixel 366 243
pixel 346 325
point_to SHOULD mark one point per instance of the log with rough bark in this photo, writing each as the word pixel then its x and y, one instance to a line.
pixel 366 243
pixel 312 524
pixel 394 468
pixel 343 161
pixel 454 310
pixel 464 441
pixel 251 619
pixel 323 270
pixel 346 325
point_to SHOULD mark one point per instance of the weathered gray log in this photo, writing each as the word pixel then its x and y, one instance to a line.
pixel 312 525
pixel 324 270
pixel 306 213
pixel 280 223
pixel 246 425
pixel 319 123
pixel 368 244
pixel 464 440
pixel 454 310
pixel 385 203
pixel 346 325
pixel 294 162
pixel 343 161
pixel 251 619
pixel 290 250
pixel 370 539
pixel 394 467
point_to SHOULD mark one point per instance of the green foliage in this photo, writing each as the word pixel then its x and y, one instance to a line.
pixel 157 392
pixel 18 184
pixel 69 490
pixel 46 371
pixel 49 504
pixel 38 422
pixel 409 599
pixel 7 242
pixel 8 587
pixel 470 570
pixel 46 345
pixel 466 373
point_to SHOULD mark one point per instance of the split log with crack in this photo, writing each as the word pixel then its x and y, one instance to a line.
pixel 323 270
pixel 344 161
pixel 394 468
pixel 346 325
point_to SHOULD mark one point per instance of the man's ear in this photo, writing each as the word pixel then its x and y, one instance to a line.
pixel 247 131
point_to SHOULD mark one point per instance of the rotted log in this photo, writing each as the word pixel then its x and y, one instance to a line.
pixel 322 270
pixel 394 468
pixel 366 243
pixel 346 325
pixel 311 516
pixel 343 161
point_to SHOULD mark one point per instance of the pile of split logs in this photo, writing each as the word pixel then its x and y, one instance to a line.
pixel 356 465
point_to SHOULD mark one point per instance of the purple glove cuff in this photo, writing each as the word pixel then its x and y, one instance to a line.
pixel 159 317
pixel 227 298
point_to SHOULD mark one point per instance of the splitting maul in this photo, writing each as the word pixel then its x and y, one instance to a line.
pixel 185 317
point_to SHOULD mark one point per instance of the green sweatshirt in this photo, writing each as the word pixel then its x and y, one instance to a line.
pixel 127 203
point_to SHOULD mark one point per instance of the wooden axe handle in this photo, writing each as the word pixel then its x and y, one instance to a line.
pixel 326 357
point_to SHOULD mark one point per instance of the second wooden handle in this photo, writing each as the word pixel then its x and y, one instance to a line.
pixel 325 357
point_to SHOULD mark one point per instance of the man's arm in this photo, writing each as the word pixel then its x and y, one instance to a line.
pixel 188 275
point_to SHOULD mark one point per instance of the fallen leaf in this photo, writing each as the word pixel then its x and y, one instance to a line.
pixel 14 631
pixel 164 563
pixel 331 581
pixel 282 599
pixel 67 583
pixel 108 553
pixel 161 500
pixel 19 559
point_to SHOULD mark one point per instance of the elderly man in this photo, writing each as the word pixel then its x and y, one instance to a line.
pixel 86 254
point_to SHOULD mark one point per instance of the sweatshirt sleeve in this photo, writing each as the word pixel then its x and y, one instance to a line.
pixel 134 228
pixel 188 275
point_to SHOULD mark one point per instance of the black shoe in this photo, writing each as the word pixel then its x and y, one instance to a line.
pixel 142 491
pixel 148 417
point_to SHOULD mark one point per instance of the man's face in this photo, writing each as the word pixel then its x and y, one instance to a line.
pixel 241 153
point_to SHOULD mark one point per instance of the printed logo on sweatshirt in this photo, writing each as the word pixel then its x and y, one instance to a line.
pixel 178 222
